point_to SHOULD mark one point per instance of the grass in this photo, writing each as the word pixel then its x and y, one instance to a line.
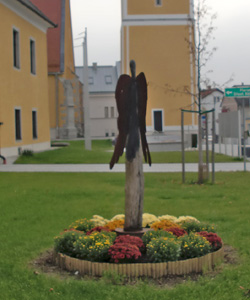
pixel 102 151
pixel 36 207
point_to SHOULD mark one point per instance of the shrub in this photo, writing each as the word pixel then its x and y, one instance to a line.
pixel 163 249
pixel 82 225
pixel 214 240
pixel 98 229
pixel 124 253
pixel 194 245
pixel 149 235
pixel 163 224
pixel 177 231
pixel 27 152
pixel 112 225
pixel 64 243
pixel 193 226
pixel 94 247
pixel 132 240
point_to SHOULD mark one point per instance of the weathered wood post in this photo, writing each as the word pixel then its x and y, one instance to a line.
pixel 131 99
pixel 134 193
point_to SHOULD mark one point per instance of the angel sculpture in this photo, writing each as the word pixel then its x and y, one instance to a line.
pixel 131 100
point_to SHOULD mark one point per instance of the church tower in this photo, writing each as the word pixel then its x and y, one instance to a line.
pixel 157 34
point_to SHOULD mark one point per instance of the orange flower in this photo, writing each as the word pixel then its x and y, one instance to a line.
pixel 164 224
pixel 112 225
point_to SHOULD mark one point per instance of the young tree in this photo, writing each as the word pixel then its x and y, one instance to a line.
pixel 203 29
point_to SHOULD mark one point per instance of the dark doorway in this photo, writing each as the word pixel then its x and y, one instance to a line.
pixel 158 120
pixel 194 140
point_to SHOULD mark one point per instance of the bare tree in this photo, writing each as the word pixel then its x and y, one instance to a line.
pixel 203 29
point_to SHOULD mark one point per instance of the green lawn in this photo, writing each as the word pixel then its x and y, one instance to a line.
pixel 36 207
pixel 102 152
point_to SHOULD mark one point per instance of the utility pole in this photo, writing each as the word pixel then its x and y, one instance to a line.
pixel 88 144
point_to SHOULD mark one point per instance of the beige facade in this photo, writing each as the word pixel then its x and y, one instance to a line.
pixel 24 105
pixel 158 38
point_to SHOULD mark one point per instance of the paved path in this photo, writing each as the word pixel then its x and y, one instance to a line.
pixel 90 168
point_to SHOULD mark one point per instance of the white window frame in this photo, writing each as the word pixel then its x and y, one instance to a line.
pixel 106 112
pixel 112 112
pixel 16 49
pixel 20 125
pixel 33 57
pixel 36 133
pixel 162 118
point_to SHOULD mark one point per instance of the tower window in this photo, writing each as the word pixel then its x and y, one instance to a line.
pixel 32 57
pixel 158 2
pixel 16 49
pixel 18 124
pixel 34 124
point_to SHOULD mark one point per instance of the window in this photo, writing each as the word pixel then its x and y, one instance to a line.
pixel 112 112
pixel 18 124
pixel 34 124
pixel 108 79
pixel 32 57
pixel 106 112
pixel 16 49
pixel 158 2
pixel 91 80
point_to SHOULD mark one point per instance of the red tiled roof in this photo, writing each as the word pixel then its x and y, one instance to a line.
pixel 205 93
pixel 32 7
pixel 53 9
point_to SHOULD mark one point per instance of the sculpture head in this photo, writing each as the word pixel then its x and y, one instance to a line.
pixel 132 68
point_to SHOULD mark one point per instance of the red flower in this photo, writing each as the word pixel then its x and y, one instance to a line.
pixel 214 240
pixel 176 231
pixel 121 252
pixel 97 228
pixel 132 240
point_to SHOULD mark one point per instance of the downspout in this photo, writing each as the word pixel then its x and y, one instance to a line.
pixel 57 106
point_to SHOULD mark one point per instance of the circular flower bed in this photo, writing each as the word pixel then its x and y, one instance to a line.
pixel 170 240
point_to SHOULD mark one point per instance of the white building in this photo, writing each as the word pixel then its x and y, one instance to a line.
pixel 103 111
pixel 212 99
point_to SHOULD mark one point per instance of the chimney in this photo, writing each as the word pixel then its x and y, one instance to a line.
pixel 95 66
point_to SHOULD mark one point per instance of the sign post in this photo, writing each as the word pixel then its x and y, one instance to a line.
pixel 240 92
pixel 237 92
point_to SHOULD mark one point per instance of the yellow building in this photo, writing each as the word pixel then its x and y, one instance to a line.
pixel 24 111
pixel 65 104
pixel 157 34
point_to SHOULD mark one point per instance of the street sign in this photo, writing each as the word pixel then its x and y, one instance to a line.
pixel 238 92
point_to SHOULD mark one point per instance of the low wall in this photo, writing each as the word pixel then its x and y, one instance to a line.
pixel 154 270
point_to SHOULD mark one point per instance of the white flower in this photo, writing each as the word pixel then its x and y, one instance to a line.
pixel 168 217
pixel 118 217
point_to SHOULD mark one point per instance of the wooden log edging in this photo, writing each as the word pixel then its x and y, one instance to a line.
pixel 153 270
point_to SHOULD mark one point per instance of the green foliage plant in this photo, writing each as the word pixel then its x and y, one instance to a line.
pixel 193 245
pixel 82 225
pixel 27 152
pixel 94 247
pixel 163 249
pixel 64 243
pixel 192 226
pixel 153 234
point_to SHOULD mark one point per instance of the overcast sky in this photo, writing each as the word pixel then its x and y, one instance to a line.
pixel 102 18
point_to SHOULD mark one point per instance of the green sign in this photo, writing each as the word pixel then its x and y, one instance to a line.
pixel 238 92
